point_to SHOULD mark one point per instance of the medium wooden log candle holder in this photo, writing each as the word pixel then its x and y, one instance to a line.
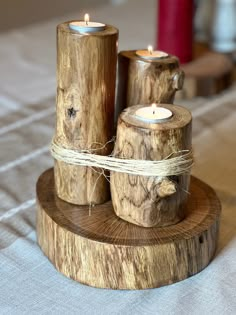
pixel 151 201
pixel 144 81
pixel 86 71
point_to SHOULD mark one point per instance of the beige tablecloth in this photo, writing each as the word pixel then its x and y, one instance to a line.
pixel 29 284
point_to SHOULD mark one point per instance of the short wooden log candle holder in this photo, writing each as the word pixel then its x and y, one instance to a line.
pixel 144 81
pixel 151 201
pixel 86 71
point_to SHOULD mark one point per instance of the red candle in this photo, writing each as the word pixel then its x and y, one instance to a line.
pixel 175 28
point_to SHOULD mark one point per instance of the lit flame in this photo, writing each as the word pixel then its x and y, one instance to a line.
pixel 154 106
pixel 86 18
pixel 150 49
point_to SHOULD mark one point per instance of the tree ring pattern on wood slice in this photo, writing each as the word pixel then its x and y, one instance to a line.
pixel 102 250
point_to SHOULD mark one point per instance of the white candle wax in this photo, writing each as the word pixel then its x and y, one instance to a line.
pixel 86 26
pixel 150 54
pixel 153 114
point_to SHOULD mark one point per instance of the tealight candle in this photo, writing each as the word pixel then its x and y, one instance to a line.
pixel 150 54
pixel 86 26
pixel 153 114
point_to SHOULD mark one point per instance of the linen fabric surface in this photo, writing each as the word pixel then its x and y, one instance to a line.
pixel 29 283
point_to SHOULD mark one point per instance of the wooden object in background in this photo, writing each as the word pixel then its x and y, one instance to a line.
pixel 149 201
pixel 86 72
pixel 104 251
pixel 207 75
pixel 143 81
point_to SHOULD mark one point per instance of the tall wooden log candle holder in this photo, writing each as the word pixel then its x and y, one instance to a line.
pixel 151 200
pixel 86 68
pixel 147 76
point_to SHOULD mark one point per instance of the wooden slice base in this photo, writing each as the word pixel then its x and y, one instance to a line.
pixel 102 250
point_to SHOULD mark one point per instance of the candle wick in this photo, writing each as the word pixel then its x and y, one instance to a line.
pixel 86 22
pixel 153 112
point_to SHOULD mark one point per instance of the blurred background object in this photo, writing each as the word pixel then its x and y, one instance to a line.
pixel 175 28
pixel 203 19
pixel 223 27
pixel 15 13
pixel 215 24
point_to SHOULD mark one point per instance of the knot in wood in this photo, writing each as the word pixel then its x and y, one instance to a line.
pixel 165 188
pixel 71 112
pixel 178 80
pixel 160 187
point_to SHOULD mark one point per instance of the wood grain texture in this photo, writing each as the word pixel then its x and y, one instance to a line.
pixel 142 81
pixel 207 75
pixel 149 201
pixel 104 251
pixel 86 71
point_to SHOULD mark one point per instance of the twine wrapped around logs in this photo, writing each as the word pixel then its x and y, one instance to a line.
pixel 177 163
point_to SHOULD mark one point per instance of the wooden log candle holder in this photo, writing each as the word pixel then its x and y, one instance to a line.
pixel 144 81
pixel 97 247
pixel 151 201
pixel 86 71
